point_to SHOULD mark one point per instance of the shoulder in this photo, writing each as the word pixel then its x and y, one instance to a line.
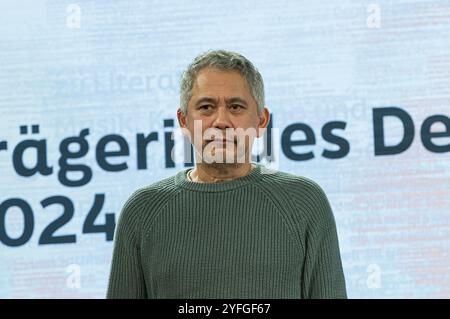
pixel 144 203
pixel 298 186
pixel 153 191
pixel 307 199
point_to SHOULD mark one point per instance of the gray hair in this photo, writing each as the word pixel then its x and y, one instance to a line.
pixel 227 61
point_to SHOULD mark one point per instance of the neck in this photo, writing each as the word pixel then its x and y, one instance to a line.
pixel 219 172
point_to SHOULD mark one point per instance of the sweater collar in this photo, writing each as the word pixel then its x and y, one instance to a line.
pixel 182 180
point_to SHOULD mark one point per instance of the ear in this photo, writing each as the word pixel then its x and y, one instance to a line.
pixel 182 121
pixel 181 118
pixel 264 118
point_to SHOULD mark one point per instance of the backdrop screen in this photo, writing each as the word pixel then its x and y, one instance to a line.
pixel 359 98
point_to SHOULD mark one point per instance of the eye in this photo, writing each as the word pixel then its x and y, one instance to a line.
pixel 236 105
pixel 205 106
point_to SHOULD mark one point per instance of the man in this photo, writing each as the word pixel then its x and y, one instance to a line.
pixel 228 228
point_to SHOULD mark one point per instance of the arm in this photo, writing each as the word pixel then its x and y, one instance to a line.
pixel 323 276
pixel 126 279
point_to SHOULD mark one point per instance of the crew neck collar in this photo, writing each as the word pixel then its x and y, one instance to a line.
pixel 182 180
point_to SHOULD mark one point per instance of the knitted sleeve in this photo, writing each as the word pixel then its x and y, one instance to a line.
pixel 323 276
pixel 126 279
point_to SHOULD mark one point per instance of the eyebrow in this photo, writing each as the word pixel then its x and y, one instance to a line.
pixel 229 100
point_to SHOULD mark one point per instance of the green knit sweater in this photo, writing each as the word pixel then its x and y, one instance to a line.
pixel 269 234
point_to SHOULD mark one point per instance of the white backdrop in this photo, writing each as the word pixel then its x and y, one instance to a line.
pixel 364 84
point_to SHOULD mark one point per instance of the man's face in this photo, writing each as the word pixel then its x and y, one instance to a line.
pixel 221 102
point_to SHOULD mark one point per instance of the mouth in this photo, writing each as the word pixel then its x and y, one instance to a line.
pixel 222 141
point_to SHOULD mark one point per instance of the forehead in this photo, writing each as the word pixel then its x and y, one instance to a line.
pixel 214 81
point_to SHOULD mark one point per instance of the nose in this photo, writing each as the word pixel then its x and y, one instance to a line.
pixel 222 123
pixel 222 120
